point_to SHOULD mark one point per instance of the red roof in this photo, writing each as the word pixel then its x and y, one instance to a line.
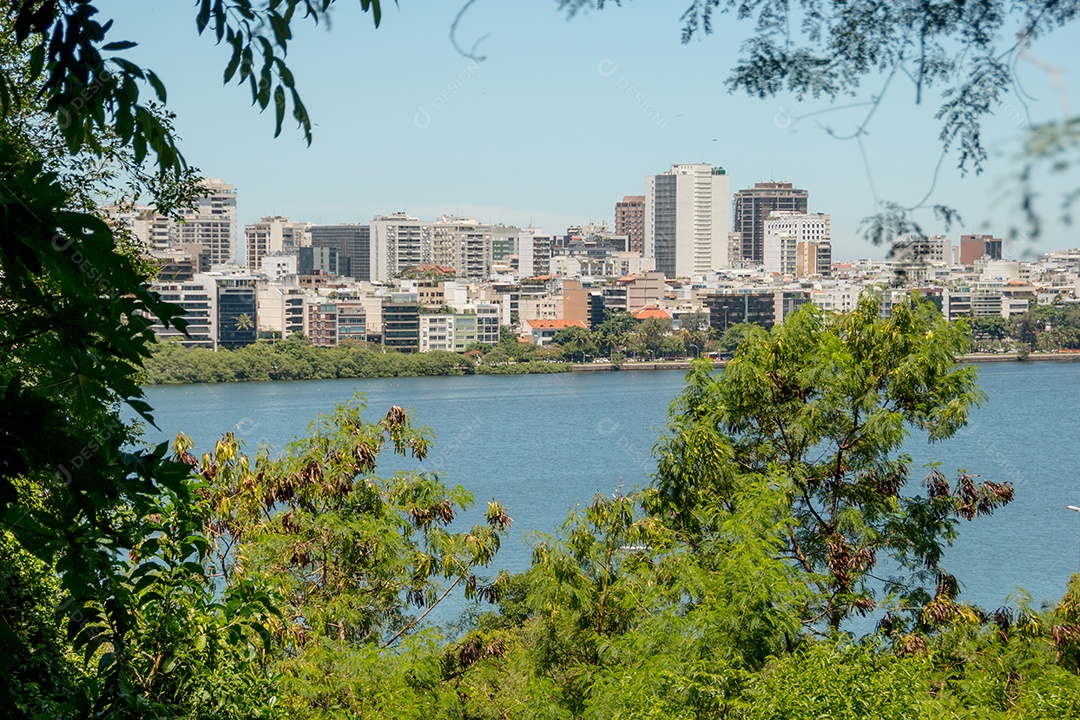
pixel 555 324
pixel 440 269
pixel 651 311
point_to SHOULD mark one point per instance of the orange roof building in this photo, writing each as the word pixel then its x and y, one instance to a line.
pixel 651 311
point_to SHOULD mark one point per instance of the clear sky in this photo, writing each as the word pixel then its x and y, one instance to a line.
pixel 563 118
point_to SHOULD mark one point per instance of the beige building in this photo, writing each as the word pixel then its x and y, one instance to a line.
pixel 211 222
pixel 630 221
pixel 273 236
pixel 465 245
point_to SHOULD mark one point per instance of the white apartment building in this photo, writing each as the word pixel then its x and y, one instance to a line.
pixel 274 235
pixel 784 232
pixel 277 267
pixel 281 308
pixel 686 220
pixel 840 298
pixel 437 332
pixel 148 227
pixel 198 298
pixel 399 242
pixel 456 332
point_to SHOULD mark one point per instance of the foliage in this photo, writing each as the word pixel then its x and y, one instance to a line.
pixel 575 343
pixel 615 332
pixel 73 334
pixel 821 406
pixel 530 367
pixel 294 359
pixel 1043 328
pixel 348 554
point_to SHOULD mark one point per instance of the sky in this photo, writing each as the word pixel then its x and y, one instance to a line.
pixel 563 117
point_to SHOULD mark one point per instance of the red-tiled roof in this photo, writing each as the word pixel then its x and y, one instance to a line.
pixel 554 324
pixel 651 311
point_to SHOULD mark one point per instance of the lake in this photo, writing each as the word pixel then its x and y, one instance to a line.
pixel 543 443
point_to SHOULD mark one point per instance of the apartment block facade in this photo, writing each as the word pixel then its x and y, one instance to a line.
pixel 630 221
pixel 686 220
pixel 273 236
pixel 399 242
pixel 352 243
pixel 752 207
pixel 785 232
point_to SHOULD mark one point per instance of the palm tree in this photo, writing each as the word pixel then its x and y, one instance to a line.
pixel 244 322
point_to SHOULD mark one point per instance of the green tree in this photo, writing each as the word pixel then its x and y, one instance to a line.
pixel 650 336
pixel 613 334
pixel 575 343
pixel 731 339
pixel 820 406
pixel 76 328
pixel 350 555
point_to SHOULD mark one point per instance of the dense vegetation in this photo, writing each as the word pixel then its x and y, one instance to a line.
pixel 162 583
pixel 295 359
pixel 1044 328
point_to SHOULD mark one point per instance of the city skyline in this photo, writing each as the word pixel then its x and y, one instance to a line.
pixel 562 118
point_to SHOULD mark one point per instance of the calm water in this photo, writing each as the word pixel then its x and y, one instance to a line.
pixel 543 443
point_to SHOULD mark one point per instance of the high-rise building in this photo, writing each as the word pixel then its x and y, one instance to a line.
pixel 352 244
pixel 504 242
pixel 465 245
pixel 237 311
pixel 975 247
pixel 211 221
pixel 917 249
pixel 686 220
pixel 754 205
pixel 813 258
pixel 784 232
pixel 534 253
pixel 148 227
pixel 399 242
pixel 198 298
pixel 401 322
pixel 273 236
pixel 630 221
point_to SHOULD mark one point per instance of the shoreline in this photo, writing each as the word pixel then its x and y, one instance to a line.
pixel 655 365
pixel 969 359
pixel 981 358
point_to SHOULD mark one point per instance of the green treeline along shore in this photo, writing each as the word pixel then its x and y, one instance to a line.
pixel 295 359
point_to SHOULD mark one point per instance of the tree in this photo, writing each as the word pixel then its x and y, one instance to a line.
pixel 819 408
pixel 244 322
pixel 348 554
pixel 613 334
pixel 575 343
pixel 76 326
pixel 651 334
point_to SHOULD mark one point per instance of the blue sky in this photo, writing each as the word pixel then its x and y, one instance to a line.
pixel 561 120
